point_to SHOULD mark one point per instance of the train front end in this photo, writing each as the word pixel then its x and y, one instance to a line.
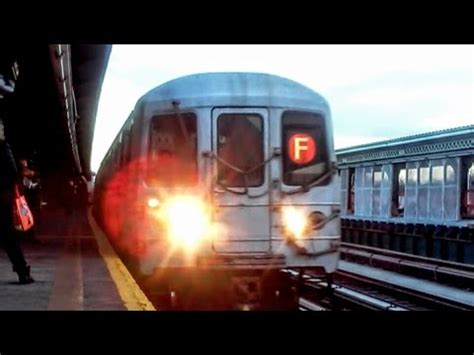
pixel 240 191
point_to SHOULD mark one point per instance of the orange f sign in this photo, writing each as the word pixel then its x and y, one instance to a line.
pixel 302 148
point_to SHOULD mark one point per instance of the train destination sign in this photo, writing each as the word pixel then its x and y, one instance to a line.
pixel 301 148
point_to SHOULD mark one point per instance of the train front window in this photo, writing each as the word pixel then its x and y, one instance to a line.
pixel 305 154
pixel 240 146
pixel 172 151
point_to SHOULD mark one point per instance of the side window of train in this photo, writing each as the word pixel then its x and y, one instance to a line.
pixel 398 190
pixel 172 159
pixel 240 144
pixel 305 154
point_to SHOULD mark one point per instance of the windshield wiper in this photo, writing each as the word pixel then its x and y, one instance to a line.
pixel 306 188
pixel 182 125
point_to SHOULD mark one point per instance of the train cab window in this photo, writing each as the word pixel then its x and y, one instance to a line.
pixel 240 145
pixel 398 192
pixel 173 151
pixel 305 154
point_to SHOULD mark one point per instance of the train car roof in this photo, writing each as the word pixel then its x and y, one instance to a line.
pixel 236 89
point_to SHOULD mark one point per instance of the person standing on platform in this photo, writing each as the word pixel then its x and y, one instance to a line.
pixel 8 179
pixel 8 237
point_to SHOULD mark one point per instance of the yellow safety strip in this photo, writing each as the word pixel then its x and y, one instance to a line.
pixel 129 291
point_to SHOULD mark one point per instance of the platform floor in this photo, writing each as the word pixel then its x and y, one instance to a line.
pixel 79 272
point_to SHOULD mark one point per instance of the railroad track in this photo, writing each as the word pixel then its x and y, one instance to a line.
pixel 350 291
pixel 305 304
pixel 440 271
pixel 363 286
pixel 317 297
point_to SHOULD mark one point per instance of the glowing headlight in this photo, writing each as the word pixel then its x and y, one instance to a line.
pixel 294 221
pixel 187 220
pixel 153 202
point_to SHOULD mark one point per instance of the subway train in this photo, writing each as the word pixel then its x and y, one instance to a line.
pixel 219 181
pixel 412 194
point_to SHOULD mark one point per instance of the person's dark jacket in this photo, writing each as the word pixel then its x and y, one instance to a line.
pixel 8 168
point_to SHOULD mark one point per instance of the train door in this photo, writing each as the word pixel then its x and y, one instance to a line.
pixel 240 145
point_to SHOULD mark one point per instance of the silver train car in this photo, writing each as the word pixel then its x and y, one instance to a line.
pixel 229 177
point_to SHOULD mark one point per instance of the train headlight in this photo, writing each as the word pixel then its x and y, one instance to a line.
pixel 294 221
pixel 187 220
pixel 153 202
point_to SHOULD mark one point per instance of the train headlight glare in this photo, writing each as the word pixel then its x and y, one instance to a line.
pixel 295 221
pixel 153 202
pixel 187 220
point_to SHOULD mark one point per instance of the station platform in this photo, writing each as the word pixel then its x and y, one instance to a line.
pixel 80 272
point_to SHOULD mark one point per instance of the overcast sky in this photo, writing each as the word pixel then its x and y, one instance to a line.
pixel 375 92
